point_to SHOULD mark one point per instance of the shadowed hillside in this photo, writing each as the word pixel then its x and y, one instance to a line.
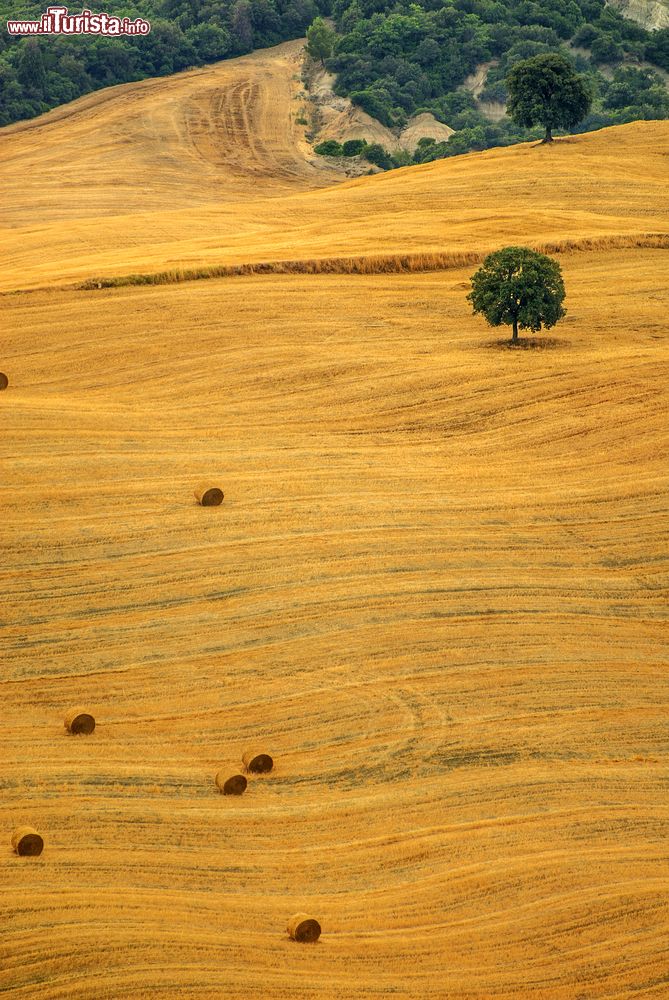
pixel 436 590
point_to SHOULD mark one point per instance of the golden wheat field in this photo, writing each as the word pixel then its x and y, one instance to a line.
pixel 436 590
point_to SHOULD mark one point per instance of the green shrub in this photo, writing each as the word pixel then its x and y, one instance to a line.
pixel 605 49
pixel 377 155
pixel 633 87
pixel 657 49
pixel 329 148
pixel 320 40
pixel 354 147
pixel 585 36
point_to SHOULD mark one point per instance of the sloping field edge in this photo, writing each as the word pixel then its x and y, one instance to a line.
pixel 374 264
pixel 397 263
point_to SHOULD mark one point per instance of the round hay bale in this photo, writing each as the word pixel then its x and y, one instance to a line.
pixel 235 785
pixel 209 496
pixel 257 763
pixel 303 928
pixel 27 842
pixel 4 381
pixel 79 723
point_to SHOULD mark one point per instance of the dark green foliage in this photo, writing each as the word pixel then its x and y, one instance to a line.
pixel 605 49
pixel 377 155
pixel 329 148
pixel 657 48
pixel 585 36
pixel 353 147
pixel 30 71
pixel 518 287
pixel 495 91
pixel 210 41
pixel 546 90
pixel 482 136
pixel 633 87
pixel 320 40
pixel 374 153
pixel 395 57
pixel 376 101
pixel 241 27
pixel 392 60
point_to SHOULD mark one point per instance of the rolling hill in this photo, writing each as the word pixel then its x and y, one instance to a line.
pixel 208 169
pixel 436 590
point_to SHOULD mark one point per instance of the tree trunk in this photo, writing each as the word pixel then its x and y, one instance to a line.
pixel 549 134
pixel 515 328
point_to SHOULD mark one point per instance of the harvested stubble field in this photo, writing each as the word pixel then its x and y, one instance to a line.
pixel 435 593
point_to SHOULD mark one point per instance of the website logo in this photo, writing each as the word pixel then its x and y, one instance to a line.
pixel 57 21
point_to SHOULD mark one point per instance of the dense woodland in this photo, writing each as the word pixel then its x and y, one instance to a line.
pixel 38 74
pixel 393 59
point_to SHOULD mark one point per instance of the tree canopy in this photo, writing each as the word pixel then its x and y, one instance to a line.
pixel 320 40
pixel 520 288
pixel 545 90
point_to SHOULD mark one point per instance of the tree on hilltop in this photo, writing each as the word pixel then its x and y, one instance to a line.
pixel 546 90
pixel 518 287
pixel 320 40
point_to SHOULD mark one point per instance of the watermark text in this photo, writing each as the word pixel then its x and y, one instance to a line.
pixel 57 21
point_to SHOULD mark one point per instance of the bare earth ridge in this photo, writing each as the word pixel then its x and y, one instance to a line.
pixel 435 592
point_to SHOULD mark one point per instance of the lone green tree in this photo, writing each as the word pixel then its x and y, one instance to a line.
pixel 518 287
pixel 546 90
pixel 320 40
